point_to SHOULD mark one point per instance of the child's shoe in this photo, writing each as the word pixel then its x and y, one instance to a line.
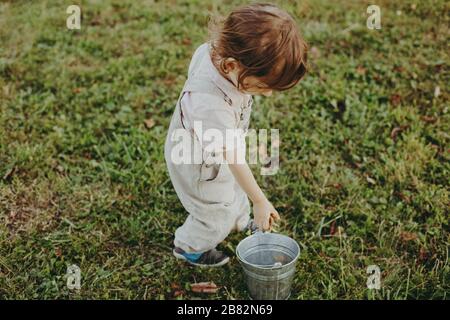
pixel 211 258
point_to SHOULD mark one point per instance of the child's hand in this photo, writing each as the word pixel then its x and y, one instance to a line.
pixel 264 215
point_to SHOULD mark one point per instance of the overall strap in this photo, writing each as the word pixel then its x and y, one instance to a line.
pixel 202 85
pixel 205 85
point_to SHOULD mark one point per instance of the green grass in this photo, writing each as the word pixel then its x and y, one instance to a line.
pixel 83 181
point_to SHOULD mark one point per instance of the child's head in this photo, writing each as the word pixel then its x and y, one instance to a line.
pixel 259 48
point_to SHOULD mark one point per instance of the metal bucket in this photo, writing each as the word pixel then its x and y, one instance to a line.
pixel 268 260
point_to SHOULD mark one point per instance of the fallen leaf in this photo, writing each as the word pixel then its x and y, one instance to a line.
pixel 399 69
pixel 397 130
pixel 428 119
pixel 58 252
pixel 96 21
pixel 404 197
pixel 407 236
pixel 176 290
pixel 423 254
pixel 175 286
pixel 149 123
pixel 395 99
pixel 337 186
pixel 333 228
pixel 204 287
pixel 169 80
pixel 178 293
pixel 361 70
pixel 186 41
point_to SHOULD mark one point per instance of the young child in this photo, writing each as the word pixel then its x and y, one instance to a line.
pixel 255 50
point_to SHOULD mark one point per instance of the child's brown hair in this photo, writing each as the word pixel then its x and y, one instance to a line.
pixel 265 41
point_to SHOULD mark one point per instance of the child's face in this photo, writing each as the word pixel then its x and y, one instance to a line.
pixel 253 85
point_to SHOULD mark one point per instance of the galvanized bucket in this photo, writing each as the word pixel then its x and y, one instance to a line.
pixel 268 260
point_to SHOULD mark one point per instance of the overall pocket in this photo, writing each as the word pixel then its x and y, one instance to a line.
pixel 216 184
pixel 209 172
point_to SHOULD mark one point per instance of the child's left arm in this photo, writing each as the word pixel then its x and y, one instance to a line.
pixel 263 210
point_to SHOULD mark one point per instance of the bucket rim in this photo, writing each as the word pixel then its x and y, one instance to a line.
pixel 241 259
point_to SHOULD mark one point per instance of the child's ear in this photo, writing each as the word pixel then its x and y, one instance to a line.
pixel 230 65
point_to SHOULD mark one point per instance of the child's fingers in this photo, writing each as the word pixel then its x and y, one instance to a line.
pixel 266 225
pixel 259 225
pixel 275 215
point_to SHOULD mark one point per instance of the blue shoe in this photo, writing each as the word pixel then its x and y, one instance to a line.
pixel 211 258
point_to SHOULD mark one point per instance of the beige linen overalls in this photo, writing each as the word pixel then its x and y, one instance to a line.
pixel 215 202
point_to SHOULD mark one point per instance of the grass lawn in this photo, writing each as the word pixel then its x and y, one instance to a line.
pixel 364 154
